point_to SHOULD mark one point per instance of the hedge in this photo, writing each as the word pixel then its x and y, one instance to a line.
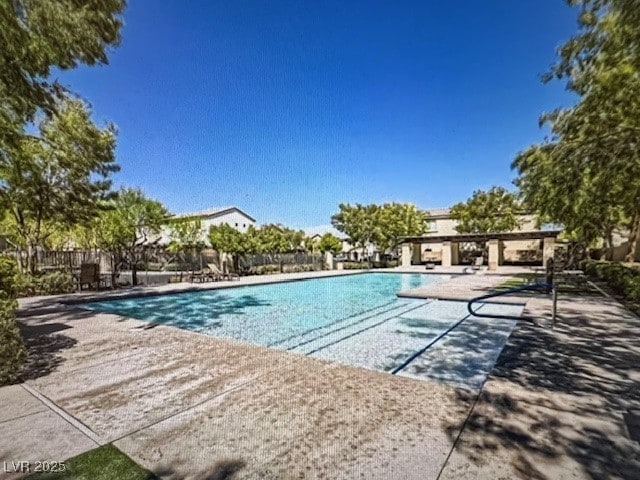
pixel 621 279
pixel 12 349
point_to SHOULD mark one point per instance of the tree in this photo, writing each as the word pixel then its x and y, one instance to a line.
pixel 359 222
pixel 58 178
pixel 133 223
pixel 275 238
pixel 593 152
pixel 329 243
pixel 397 220
pixel 38 36
pixel 226 239
pixel 495 210
pixel 186 236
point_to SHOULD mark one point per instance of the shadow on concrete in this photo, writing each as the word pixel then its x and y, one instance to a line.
pixel 222 470
pixel 574 384
pixel 44 342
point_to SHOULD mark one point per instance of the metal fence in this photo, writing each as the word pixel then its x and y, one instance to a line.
pixel 157 265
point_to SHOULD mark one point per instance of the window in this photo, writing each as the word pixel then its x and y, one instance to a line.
pixel 236 224
pixel 244 225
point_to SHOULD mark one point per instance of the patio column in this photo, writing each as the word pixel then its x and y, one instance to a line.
pixel 447 254
pixel 548 248
pixel 495 254
pixel 328 261
pixel 455 253
pixel 416 254
pixel 406 255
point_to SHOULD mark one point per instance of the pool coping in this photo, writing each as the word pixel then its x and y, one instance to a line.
pixel 79 298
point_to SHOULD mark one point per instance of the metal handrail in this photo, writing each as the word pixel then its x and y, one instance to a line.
pixel 547 287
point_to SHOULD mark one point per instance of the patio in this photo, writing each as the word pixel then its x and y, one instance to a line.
pixel 186 404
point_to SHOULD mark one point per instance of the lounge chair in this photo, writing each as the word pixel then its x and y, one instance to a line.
pixel 199 276
pixel 222 275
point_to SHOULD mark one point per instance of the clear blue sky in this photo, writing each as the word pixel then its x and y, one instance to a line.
pixel 287 108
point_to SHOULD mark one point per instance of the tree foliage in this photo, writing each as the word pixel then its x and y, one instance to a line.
pixel 225 238
pixel 132 223
pixel 329 243
pixel 58 178
pixel 397 220
pixel 587 175
pixel 37 36
pixel 186 237
pixel 380 225
pixel 495 210
pixel 359 222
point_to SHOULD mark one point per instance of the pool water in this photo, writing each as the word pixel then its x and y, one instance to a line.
pixel 352 319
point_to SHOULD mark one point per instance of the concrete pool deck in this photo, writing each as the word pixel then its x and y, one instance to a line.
pixel 189 405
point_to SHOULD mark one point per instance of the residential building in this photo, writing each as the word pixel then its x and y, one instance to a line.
pixel 232 216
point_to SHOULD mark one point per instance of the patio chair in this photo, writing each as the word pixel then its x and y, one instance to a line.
pixel 222 275
pixel 89 275
pixel 477 264
pixel 198 276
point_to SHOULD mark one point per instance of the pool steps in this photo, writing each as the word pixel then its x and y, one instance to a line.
pixel 344 331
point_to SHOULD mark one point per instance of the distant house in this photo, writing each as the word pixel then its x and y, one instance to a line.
pixel 349 252
pixel 232 216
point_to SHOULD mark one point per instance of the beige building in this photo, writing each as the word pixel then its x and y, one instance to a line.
pixel 443 244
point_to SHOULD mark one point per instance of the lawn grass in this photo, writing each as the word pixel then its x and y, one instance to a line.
pixel 103 463
pixel 564 285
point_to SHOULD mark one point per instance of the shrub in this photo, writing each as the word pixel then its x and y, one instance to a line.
pixel 384 264
pixel 355 265
pixel 53 283
pixel 621 279
pixel 9 275
pixel 12 349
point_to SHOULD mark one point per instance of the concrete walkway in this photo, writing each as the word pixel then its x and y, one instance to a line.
pixel 559 403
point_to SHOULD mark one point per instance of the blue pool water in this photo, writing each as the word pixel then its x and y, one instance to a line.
pixel 353 319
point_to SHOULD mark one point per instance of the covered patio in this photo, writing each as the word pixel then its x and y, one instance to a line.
pixel 411 246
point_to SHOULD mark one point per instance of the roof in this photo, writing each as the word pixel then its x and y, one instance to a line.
pixel 322 229
pixel 482 237
pixel 438 212
pixel 216 212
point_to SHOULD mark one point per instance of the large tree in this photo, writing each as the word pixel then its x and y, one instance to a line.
pixel 397 220
pixel 131 224
pixel 586 176
pixel 58 178
pixel 329 243
pixel 226 239
pixel 361 223
pixel 37 36
pixel 495 210
pixel 186 238
pixel 54 162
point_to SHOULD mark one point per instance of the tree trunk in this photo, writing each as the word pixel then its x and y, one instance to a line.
pixel 134 273
pixel 31 263
pixel 607 254
pixel 633 238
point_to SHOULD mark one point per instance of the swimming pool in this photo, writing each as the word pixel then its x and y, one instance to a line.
pixel 352 319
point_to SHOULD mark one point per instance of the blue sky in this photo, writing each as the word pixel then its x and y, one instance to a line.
pixel 287 108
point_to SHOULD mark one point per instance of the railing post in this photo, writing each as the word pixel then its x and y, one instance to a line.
pixel 554 308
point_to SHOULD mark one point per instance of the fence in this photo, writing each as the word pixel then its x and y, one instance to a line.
pixel 66 259
pixel 157 265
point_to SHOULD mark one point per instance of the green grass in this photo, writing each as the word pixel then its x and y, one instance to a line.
pixel 515 281
pixel 564 285
pixel 103 463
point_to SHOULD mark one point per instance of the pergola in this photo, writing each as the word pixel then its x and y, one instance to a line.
pixel 450 245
